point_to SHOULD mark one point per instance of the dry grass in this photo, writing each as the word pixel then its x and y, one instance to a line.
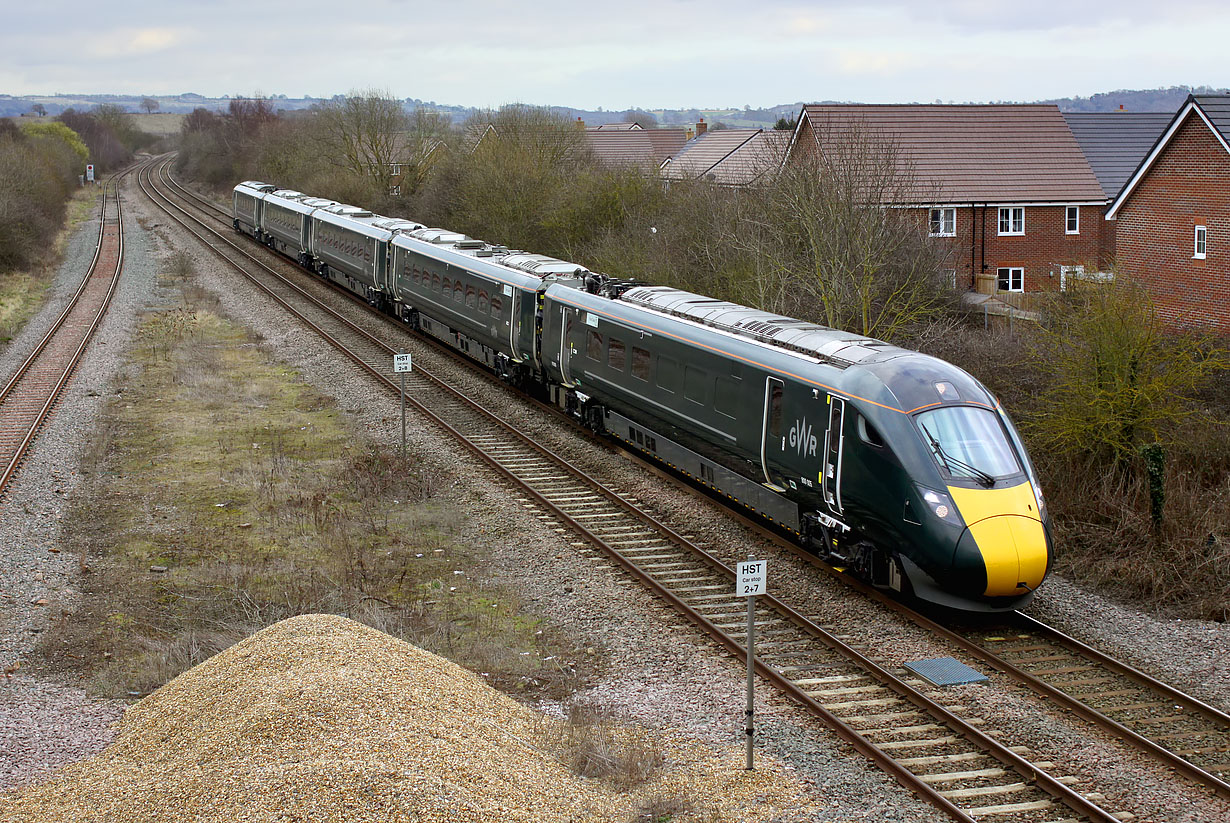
pixel 593 742
pixel 225 494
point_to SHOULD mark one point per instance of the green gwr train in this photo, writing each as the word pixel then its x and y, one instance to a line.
pixel 897 465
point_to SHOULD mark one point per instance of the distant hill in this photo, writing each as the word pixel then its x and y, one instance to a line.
pixel 1167 100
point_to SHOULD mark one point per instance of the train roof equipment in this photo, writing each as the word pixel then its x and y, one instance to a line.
pixel 832 346
pixel 540 264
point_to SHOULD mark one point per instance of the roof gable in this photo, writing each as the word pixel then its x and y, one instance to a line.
pixel 1212 109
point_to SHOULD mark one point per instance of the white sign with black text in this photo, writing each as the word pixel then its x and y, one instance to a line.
pixel 752 578
pixel 401 363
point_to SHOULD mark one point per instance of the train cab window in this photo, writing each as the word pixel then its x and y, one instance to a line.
pixel 616 356
pixel 484 304
pixel 868 433
pixel 593 346
pixel 471 296
pixel 497 306
pixel 726 397
pixel 694 384
pixel 640 364
pixel 969 443
pixel 668 374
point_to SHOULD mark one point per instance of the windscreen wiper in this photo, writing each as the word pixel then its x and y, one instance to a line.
pixel 950 462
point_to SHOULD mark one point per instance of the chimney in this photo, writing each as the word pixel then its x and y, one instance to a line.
pixel 580 124
pixel 1120 107
pixel 701 127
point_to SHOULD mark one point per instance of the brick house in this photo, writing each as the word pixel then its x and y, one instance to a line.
pixel 1172 217
pixel 1005 187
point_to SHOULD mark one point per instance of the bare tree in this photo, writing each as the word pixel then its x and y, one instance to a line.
pixel 420 147
pixel 149 104
pixel 360 133
pixel 832 243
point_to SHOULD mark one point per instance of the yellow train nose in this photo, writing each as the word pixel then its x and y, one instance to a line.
pixel 1005 526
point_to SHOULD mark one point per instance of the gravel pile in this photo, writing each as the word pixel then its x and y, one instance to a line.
pixel 321 718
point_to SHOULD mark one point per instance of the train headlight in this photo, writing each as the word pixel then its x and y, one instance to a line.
pixel 941 505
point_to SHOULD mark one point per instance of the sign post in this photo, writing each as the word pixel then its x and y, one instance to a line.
pixel 750 581
pixel 401 365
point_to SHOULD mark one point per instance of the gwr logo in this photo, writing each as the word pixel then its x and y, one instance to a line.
pixel 801 438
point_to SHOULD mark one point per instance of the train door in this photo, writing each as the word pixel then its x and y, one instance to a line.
pixel 565 344
pixel 834 440
pixel 772 440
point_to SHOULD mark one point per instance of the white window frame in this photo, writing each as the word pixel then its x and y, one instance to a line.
pixel 1068 214
pixel 950 278
pixel 1020 273
pixel 1200 243
pixel 395 191
pixel 947 222
pixel 1016 228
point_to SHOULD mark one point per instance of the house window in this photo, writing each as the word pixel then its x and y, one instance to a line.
pixel 1072 220
pixel 1012 220
pixel 943 222
pixel 1202 237
pixel 1011 279
pixel 950 278
pixel 395 168
pixel 395 191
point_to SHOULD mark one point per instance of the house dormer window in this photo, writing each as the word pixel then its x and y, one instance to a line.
pixel 1012 220
pixel 943 222
pixel 1201 244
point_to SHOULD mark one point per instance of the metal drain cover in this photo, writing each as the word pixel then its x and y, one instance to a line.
pixel 945 671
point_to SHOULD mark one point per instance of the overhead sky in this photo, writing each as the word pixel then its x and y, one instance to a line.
pixel 645 53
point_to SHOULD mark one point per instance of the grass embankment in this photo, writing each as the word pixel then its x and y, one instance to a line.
pixel 225 494
pixel 22 293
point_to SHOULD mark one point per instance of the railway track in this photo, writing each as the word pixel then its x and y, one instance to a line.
pixel 30 394
pixel 954 762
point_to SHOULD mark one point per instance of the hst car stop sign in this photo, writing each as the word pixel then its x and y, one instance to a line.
pixel 89 172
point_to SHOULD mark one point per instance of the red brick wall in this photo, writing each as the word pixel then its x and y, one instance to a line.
pixel 1040 251
pixel 1187 186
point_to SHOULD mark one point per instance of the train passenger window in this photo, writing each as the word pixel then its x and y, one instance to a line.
pixel 726 397
pixel 497 306
pixel 668 374
pixel 616 356
pixel 447 287
pixel 415 275
pixel 459 291
pixel 640 364
pixel 694 384
pixel 775 408
pixel 868 434
pixel 471 296
pixel 484 304
pixel 593 346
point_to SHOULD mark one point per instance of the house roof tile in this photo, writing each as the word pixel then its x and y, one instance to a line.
pixel 1115 142
pixel 974 153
